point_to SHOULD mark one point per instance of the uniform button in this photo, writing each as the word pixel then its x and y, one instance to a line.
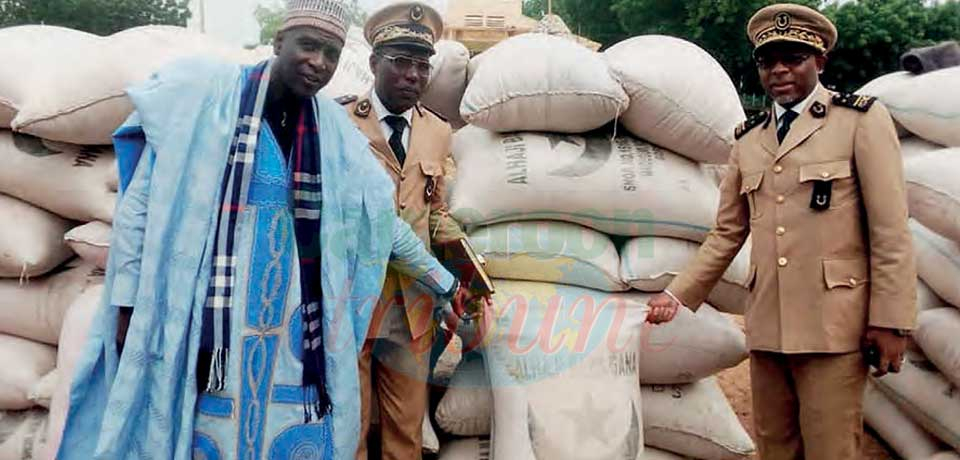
pixel 781 231
pixel 778 169
pixel 782 262
pixel 403 206
pixel 825 175
pixel 781 199
pixel 853 281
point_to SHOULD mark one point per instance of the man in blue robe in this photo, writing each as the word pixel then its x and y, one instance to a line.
pixel 250 246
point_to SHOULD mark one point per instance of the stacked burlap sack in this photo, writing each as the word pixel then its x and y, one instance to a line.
pixel 579 179
pixel 918 411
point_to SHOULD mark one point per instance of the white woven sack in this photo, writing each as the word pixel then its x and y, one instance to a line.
pixel 72 339
pixel 552 252
pixel 31 239
pixel 622 186
pixel 881 86
pixel 466 408
pixel 938 262
pixel 649 264
pixel 897 429
pixel 933 191
pixel 91 242
pixel 694 420
pixel 913 146
pixel 928 105
pixel 23 434
pixel 35 310
pixel 927 397
pixel 937 333
pixel 353 75
pixel 563 367
pixel 537 82
pixel 448 81
pixel 24 364
pixel 692 347
pixel 669 81
pixel 87 107
pixel 76 182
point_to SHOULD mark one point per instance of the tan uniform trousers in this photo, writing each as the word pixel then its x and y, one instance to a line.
pixel 808 406
pixel 398 373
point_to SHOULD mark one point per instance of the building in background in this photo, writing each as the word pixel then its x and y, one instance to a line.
pixel 480 24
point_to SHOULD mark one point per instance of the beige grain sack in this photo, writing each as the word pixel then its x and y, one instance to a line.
pixel 448 81
pixel 668 80
pixel 692 347
pixel 36 310
pixel 899 431
pixel 23 434
pixel 881 86
pixel 694 420
pixel 538 82
pixel 937 334
pixel 928 105
pixel 89 105
pixel 913 146
pixel 622 186
pixel 649 264
pixel 550 251
pixel 24 365
pixel 563 363
pixel 91 242
pixel 933 190
pixel 938 262
pixel 72 341
pixel 466 409
pixel 31 239
pixel 76 182
pixel 927 397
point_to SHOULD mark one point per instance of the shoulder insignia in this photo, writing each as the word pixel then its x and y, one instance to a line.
pixel 818 110
pixel 437 114
pixel 363 109
pixel 751 123
pixel 346 99
pixel 854 101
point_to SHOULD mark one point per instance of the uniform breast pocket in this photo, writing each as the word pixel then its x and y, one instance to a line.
pixel 432 172
pixel 832 183
pixel 750 187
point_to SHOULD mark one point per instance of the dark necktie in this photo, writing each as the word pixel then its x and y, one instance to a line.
pixel 788 117
pixel 397 124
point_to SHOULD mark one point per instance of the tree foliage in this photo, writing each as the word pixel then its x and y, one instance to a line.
pixel 101 17
pixel 873 33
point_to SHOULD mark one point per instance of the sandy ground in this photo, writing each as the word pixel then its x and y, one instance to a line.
pixel 736 384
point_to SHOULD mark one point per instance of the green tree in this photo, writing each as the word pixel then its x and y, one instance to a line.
pixel 101 17
pixel 873 36
pixel 535 9
pixel 271 19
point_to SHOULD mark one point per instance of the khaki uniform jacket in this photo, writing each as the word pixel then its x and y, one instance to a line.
pixel 422 172
pixel 817 278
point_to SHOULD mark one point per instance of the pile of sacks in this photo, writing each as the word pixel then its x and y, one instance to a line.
pixel 918 411
pixel 582 180
pixel 61 98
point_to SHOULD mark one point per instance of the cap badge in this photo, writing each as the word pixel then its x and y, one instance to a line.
pixel 416 13
pixel 782 21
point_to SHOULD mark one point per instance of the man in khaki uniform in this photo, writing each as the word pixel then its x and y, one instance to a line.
pixel 413 145
pixel 818 183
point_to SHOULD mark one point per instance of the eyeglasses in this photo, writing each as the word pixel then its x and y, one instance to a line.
pixel 790 60
pixel 403 64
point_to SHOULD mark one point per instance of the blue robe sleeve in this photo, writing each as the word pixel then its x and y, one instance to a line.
pixel 410 257
pixel 129 225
